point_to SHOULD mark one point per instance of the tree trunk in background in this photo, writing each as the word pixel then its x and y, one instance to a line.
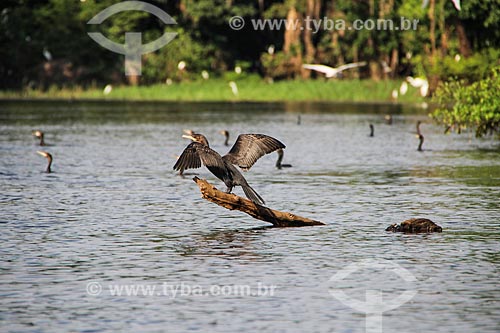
pixel 337 50
pixel 133 80
pixel 373 63
pixel 394 62
pixel 442 28
pixel 385 9
pixel 261 6
pixel 291 35
pixel 432 28
pixel 309 46
pixel 291 44
pixel 463 41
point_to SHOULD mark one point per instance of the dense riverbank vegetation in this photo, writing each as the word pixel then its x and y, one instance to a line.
pixel 48 43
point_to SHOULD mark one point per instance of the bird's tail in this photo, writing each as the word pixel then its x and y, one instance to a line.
pixel 252 195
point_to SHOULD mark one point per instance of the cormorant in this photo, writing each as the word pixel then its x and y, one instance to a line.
pixel 226 134
pixel 388 119
pixel 48 157
pixel 418 127
pixel 39 134
pixel 280 158
pixel 371 130
pixel 421 138
pixel 247 149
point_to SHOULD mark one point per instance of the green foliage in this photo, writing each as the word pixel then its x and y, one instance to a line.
pixel 470 69
pixel 206 42
pixel 464 106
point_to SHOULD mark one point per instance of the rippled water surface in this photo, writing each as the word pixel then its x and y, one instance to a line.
pixel 114 214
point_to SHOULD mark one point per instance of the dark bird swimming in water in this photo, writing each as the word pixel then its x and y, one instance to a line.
pixel 418 127
pixel 39 134
pixel 421 142
pixel 48 157
pixel 372 129
pixel 247 149
pixel 388 119
pixel 280 158
pixel 226 134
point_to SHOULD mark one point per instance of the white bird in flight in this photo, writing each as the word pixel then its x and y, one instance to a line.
pixel 456 3
pixel 333 72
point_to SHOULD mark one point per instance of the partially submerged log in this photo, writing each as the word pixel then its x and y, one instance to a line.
pixel 234 202
pixel 414 226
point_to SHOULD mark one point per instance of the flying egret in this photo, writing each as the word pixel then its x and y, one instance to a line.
pixel 456 3
pixel 330 71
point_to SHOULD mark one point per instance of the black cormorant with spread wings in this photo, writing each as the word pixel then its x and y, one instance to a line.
pixel 247 149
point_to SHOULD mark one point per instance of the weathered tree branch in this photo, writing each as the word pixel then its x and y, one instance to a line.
pixel 234 202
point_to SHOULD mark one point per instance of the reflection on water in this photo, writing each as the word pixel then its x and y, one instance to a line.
pixel 114 212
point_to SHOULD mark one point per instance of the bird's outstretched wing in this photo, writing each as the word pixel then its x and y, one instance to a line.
pixel 197 153
pixel 327 70
pixel 248 148
pixel 351 65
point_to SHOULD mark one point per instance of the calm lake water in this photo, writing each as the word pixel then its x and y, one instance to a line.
pixel 115 218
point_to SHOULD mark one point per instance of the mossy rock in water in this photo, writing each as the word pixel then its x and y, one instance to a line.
pixel 415 226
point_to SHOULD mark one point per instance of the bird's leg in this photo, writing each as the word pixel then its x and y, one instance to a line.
pixel 229 189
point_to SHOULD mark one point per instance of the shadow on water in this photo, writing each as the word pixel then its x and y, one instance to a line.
pixel 235 243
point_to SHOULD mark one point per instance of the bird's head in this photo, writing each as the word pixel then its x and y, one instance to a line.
pixel 38 133
pixel 200 138
pixel 44 154
pixel 225 133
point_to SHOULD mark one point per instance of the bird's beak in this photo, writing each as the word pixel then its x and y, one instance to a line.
pixel 44 154
pixel 187 131
pixel 190 137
